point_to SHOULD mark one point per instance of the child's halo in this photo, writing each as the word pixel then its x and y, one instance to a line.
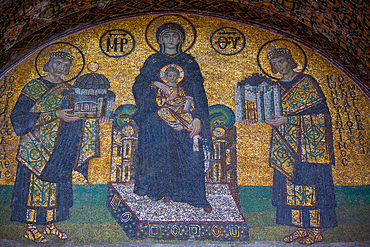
pixel 163 69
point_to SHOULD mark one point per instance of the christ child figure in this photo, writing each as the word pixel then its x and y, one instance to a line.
pixel 175 107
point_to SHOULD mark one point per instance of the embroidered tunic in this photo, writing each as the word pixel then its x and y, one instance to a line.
pixel 49 149
pixel 302 155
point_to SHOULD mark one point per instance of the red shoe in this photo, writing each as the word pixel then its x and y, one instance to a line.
pixel 166 199
pixel 207 210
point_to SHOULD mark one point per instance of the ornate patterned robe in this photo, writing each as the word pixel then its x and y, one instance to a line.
pixel 49 149
pixel 302 155
pixel 173 111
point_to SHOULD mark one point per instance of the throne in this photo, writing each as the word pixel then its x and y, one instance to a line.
pixel 142 218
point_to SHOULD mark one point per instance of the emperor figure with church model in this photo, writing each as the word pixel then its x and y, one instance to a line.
pixel 301 136
pixel 301 153
pixel 50 140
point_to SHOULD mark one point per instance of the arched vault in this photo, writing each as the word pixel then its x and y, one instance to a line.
pixel 336 30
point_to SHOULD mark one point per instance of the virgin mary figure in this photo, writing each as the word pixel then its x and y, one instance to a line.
pixel 168 167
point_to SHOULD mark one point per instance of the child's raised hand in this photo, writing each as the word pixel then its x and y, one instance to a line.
pixel 173 95
pixel 162 86
pixel 158 84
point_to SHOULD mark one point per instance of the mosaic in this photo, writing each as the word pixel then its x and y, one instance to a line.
pixel 177 115
pixel 339 28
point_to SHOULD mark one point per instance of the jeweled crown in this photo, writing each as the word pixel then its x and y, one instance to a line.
pixel 62 54
pixel 274 52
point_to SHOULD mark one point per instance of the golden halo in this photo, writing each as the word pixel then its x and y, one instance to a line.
pixel 163 69
pixel 297 52
pixel 78 61
pixel 151 31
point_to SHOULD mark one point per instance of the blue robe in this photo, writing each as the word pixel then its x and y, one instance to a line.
pixel 43 185
pixel 167 164
pixel 303 196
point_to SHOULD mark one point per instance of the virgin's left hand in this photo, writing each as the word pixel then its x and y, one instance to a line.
pixel 189 98
pixel 277 121
pixel 195 127
pixel 105 119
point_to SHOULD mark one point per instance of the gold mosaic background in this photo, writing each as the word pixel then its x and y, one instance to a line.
pixel 221 73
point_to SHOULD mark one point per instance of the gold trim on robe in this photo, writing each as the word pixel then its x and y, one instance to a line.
pixel 51 215
pixel 297 218
pixel 172 111
pixel 298 195
pixel 315 218
pixel 34 89
pixel 301 95
pixel 89 148
pixel 36 146
pixel 31 215
pixel 303 137
pixel 41 193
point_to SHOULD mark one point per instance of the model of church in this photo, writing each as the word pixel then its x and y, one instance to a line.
pixel 90 97
pixel 265 95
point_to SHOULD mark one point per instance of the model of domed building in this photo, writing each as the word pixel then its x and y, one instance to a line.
pixel 90 97
pixel 263 92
